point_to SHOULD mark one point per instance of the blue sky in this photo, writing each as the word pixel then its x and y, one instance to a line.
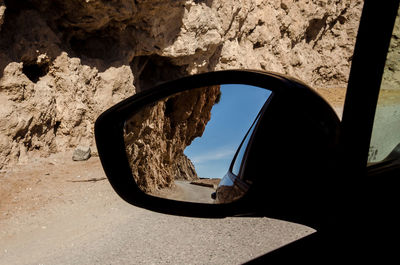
pixel 212 153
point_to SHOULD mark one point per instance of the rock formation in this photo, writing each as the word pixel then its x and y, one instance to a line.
pixel 157 135
pixel 64 62
pixel 391 75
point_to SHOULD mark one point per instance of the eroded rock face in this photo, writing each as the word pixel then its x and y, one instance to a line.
pixel 156 137
pixel 64 62
pixel 58 111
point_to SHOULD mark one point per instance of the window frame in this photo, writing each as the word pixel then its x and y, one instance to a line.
pixel 369 58
pixel 249 133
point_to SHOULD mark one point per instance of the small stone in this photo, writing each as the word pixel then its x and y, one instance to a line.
pixel 81 153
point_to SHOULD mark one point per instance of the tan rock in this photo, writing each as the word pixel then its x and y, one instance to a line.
pixel 61 67
pixel 156 137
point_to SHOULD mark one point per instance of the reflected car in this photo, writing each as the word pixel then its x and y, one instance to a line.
pixel 234 184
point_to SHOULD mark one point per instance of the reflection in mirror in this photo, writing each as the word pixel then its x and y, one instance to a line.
pixel 190 146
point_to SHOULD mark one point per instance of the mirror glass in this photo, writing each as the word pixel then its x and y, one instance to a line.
pixel 191 145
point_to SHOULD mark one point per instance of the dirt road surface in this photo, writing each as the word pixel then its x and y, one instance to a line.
pixel 194 193
pixel 56 211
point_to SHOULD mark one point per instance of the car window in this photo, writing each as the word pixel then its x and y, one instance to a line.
pixel 386 129
pixel 240 155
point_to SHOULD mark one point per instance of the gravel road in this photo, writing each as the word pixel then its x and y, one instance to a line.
pixel 87 223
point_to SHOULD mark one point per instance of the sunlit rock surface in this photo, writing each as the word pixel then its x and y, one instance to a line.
pixel 64 62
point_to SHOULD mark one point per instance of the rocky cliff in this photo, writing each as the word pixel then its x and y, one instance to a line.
pixel 157 135
pixel 63 62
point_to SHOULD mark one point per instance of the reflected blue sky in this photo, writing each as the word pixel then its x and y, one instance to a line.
pixel 212 153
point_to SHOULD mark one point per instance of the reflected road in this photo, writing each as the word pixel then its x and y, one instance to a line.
pixel 193 193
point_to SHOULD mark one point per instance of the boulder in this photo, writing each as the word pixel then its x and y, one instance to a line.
pixel 81 153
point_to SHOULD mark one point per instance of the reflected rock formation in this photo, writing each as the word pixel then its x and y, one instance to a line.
pixel 157 135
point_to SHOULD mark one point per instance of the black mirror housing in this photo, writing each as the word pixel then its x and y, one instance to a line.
pixel 296 137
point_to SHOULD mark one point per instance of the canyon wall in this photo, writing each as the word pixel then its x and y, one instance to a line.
pixel 64 62
pixel 156 136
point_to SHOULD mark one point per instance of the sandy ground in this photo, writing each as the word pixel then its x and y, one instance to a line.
pixel 335 97
pixel 31 186
pixel 43 184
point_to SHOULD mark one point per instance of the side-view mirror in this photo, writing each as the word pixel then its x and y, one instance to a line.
pixel 221 144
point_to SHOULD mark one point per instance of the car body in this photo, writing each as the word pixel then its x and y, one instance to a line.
pixel 233 185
